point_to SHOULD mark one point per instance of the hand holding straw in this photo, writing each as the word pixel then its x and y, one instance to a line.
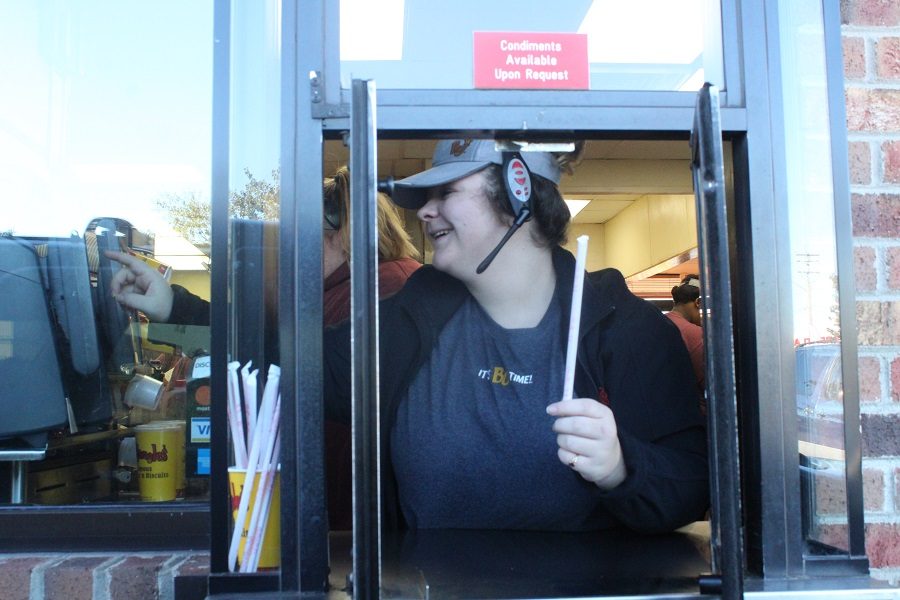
pixel 270 395
pixel 235 419
pixel 575 317
pixel 249 381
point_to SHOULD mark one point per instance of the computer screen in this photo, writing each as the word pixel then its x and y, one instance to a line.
pixel 80 349
pixel 63 306
pixel 32 399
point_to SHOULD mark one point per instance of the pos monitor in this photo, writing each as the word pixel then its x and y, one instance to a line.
pixel 32 399
pixel 79 347
pixel 63 338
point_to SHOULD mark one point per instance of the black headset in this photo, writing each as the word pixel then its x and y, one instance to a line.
pixel 332 210
pixel 517 182
pixel 333 205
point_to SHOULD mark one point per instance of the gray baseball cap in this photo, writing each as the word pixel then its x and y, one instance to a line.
pixel 455 159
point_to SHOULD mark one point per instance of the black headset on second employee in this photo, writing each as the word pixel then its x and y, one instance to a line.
pixel 332 204
pixel 332 201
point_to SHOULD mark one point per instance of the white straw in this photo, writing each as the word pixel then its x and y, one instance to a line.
pixel 249 381
pixel 262 503
pixel 268 460
pixel 575 317
pixel 270 395
pixel 269 437
pixel 235 419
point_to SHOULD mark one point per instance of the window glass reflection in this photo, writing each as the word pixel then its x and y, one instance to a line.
pixel 817 329
pixel 640 45
pixel 105 145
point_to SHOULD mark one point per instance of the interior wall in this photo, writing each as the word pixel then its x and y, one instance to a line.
pixel 658 225
pixel 596 249
pixel 195 281
pixel 652 230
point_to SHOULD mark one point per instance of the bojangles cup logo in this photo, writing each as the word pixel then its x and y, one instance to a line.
pixel 154 455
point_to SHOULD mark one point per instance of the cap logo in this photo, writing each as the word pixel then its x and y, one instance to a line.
pixel 459 147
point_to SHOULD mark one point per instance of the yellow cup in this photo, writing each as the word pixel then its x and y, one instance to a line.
pixel 270 553
pixel 160 454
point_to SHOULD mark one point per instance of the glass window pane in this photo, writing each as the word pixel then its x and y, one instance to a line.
pixel 254 185
pixel 104 144
pixel 667 45
pixel 817 329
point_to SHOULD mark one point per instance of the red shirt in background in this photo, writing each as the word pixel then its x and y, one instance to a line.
pixel 693 340
pixel 338 445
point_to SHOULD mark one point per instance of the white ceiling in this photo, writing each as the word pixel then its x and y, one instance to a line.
pixel 612 174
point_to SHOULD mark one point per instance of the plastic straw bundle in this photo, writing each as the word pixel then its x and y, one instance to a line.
pixel 255 440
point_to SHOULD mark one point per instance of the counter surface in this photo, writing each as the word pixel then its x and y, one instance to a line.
pixel 510 564
pixel 521 564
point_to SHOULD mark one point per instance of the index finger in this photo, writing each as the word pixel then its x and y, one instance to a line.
pixel 574 407
pixel 127 260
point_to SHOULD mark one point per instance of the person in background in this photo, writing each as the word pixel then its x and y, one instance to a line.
pixel 138 286
pixel 396 253
pixel 396 262
pixel 686 315
pixel 474 431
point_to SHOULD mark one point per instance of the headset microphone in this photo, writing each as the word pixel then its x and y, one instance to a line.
pixel 517 182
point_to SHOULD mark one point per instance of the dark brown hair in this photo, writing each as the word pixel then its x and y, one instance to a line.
pixel 549 210
pixel 684 292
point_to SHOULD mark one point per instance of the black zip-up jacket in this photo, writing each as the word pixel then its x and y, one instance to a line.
pixel 629 356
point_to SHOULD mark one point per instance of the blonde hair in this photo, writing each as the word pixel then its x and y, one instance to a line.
pixel 393 240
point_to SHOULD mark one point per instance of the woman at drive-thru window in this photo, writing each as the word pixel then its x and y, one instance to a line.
pixel 140 287
pixel 472 349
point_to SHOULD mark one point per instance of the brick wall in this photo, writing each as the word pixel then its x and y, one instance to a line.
pixel 871 44
pixel 96 576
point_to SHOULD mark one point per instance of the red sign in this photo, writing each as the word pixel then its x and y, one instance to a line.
pixel 531 61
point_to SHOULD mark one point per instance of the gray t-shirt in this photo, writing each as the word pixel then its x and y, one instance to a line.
pixel 473 445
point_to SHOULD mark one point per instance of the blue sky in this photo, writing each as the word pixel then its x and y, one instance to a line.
pixel 107 103
pixel 107 106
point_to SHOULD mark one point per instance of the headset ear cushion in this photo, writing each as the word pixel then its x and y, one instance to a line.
pixel 516 182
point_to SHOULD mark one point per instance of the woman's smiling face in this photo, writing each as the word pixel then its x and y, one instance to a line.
pixel 461 224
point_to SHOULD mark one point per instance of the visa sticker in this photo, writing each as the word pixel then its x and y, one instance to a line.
pixel 200 428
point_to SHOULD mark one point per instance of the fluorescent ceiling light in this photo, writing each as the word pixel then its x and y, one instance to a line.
pixel 576 206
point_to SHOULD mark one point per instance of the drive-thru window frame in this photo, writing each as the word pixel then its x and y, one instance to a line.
pixel 314 107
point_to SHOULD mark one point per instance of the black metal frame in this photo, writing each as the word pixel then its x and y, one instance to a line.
pixel 715 263
pixel 304 546
pixel 105 528
pixel 364 333
pixel 764 340
pixel 220 516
